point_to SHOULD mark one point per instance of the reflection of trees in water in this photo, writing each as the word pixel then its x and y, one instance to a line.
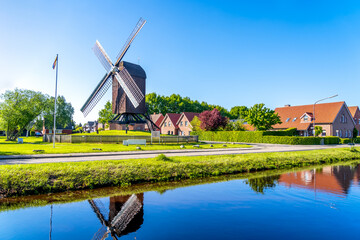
pixel 124 215
pixel 259 185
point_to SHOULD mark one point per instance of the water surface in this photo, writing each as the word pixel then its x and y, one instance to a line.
pixel 319 203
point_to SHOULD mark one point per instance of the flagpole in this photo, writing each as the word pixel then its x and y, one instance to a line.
pixel 57 63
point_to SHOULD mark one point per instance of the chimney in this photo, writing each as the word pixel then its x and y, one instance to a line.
pixel 287 105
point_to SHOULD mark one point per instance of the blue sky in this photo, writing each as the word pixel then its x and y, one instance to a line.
pixel 222 52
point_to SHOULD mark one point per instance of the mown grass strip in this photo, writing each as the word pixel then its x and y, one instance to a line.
pixel 59 177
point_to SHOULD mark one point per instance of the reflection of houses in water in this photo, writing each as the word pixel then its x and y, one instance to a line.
pixel 336 179
pixel 124 215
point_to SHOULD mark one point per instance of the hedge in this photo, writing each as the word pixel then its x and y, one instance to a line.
pixel 262 137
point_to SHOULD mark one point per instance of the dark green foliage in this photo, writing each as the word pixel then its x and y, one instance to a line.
pixel 287 132
pixel 177 104
pixel 239 112
pixel 262 137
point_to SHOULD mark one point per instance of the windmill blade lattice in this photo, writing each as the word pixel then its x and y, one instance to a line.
pixel 97 94
pixel 128 42
pixel 102 56
pixel 130 88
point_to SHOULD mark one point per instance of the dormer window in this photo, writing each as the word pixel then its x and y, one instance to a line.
pixel 306 118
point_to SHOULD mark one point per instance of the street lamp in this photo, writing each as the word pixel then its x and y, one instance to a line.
pixel 314 110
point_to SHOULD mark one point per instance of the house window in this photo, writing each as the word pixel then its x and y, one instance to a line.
pixel 165 124
pixel 346 133
pixel 340 133
pixel 169 124
pixel 305 118
pixel 287 119
pixel 186 123
pixel 181 123
pixel 294 119
pixel 324 133
pixel 337 133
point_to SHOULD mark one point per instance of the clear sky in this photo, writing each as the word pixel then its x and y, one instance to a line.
pixel 222 52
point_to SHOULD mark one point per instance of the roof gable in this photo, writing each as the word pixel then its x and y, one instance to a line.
pixel 324 113
pixel 173 117
pixel 188 115
pixel 353 110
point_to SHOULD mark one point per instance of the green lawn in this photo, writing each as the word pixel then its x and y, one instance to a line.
pixel 117 132
pixel 29 179
pixel 35 143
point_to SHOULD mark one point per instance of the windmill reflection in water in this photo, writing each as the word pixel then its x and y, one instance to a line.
pixel 124 215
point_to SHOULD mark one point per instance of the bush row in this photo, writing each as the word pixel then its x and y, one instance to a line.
pixel 262 137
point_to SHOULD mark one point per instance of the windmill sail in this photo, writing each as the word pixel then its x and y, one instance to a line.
pixel 97 94
pixel 102 56
pixel 128 42
pixel 130 87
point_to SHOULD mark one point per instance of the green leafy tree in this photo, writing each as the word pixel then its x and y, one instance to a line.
pixel 177 104
pixel 235 126
pixel 195 123
pixel 19 108
pixel 64 114
pixel 318 130
pixel 106 114
pixel 238 112
pixel 262 118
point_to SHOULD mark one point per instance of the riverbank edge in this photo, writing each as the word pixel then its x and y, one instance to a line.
pixel 21 202
pixel 16 180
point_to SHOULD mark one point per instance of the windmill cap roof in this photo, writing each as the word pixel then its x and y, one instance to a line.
pixel 134 69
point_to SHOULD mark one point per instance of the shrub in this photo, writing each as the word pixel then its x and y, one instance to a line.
pixel 262 137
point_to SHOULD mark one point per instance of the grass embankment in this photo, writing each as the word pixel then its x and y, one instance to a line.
pixel 57 177
pixel 35 143
pixel 13 203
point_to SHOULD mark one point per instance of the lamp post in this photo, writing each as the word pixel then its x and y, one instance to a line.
pixel 314 110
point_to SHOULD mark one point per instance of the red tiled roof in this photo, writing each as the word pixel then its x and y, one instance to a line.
pixel 324 113
pixel 353 110
pixel 159 120
pixel 189 115
pixel 174 117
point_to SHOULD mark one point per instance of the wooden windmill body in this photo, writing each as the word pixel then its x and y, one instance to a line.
pixel 128 83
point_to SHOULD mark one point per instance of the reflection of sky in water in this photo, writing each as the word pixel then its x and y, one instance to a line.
pixel 289 209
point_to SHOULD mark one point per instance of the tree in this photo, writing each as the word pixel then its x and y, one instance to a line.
pixel 239 112
pixel 212 120
pixel 106 114
pixel 177 104
pixel 19 108
pixel 195 123
pixel 318 130
pixel 64 114
pixel 235 126
pixel 262 118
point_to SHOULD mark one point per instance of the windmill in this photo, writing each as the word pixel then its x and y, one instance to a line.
pixel 125 215
pixel 128 85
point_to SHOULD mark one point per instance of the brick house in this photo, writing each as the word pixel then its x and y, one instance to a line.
pixel 131 126
pixel 355 113
pixel 184 123
pixel 335 119
pixel 168 124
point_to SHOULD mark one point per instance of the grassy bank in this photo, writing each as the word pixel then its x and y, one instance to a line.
pixel 35 143
pixel 57 177
pixel 13 203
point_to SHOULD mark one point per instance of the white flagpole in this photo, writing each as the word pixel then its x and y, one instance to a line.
pixel 57 63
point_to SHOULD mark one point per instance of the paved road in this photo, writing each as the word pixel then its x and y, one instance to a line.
pixel 79 157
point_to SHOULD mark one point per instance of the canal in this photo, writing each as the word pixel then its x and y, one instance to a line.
pixel 312 203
